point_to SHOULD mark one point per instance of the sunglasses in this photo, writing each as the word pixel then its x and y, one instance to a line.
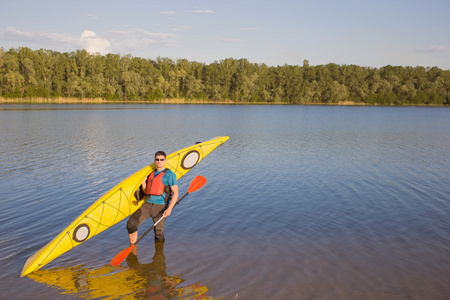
pixel 160 159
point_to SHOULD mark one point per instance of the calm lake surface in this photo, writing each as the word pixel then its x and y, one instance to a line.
pixel 303 202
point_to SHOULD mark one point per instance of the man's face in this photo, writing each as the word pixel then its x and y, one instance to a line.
pixel 160 161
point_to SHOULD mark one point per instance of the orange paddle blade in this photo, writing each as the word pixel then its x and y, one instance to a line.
pixel 121 256
pixel 196 183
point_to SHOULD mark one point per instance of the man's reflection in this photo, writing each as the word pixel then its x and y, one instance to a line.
pixel 161 286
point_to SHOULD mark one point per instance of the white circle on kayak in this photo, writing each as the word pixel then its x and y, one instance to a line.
pixel 190 159
pixel 81 233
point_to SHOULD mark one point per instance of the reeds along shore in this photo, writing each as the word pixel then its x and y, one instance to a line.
pixel 171 101
pixel 162 101
pixel 105 101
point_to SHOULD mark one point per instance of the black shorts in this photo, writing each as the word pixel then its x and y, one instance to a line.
pixel 146 211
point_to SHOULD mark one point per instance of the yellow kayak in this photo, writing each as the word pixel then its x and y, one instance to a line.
pixel 116 205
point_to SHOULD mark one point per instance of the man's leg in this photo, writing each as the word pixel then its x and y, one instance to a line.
pixel 136 219
pixel 157 213
pixel 133 237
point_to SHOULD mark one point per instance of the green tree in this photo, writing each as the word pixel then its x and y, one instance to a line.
pixel 45 73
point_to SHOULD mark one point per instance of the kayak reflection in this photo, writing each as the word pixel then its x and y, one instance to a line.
pixel 138 281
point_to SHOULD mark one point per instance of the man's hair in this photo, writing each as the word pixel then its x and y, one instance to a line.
pixel 159 153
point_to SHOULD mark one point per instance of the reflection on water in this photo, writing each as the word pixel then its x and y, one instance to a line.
pixel 137 281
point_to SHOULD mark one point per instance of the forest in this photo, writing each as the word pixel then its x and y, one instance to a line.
pixel 30 74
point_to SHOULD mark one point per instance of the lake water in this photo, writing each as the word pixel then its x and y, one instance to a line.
pixel 303 202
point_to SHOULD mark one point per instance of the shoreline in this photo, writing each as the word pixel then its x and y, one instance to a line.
pixel 163 101
pixel 177 101
pixel 104 101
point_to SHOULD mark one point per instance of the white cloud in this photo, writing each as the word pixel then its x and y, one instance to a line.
pixel 38 37
pixel 206 11
pixel 93 17
pixel 139 40
pixel 181 28
pixel 432 49
pixel 229 40
pixel 93 44
pixel 88 39
pixel 170 13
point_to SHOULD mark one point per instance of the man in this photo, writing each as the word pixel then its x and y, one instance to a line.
pixel 158 187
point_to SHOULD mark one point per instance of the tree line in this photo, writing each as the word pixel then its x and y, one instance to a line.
pixel 26 73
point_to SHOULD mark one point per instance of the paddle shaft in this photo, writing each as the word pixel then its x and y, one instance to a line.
pixel 150 229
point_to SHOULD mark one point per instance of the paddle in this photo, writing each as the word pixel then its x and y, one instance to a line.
pixel 195 185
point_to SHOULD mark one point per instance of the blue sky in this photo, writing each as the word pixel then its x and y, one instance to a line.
pixel 372 33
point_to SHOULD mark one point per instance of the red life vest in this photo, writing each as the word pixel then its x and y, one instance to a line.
pixel 155 185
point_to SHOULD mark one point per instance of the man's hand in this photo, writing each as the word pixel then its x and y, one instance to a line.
pixel 173 202
pixel 167 212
